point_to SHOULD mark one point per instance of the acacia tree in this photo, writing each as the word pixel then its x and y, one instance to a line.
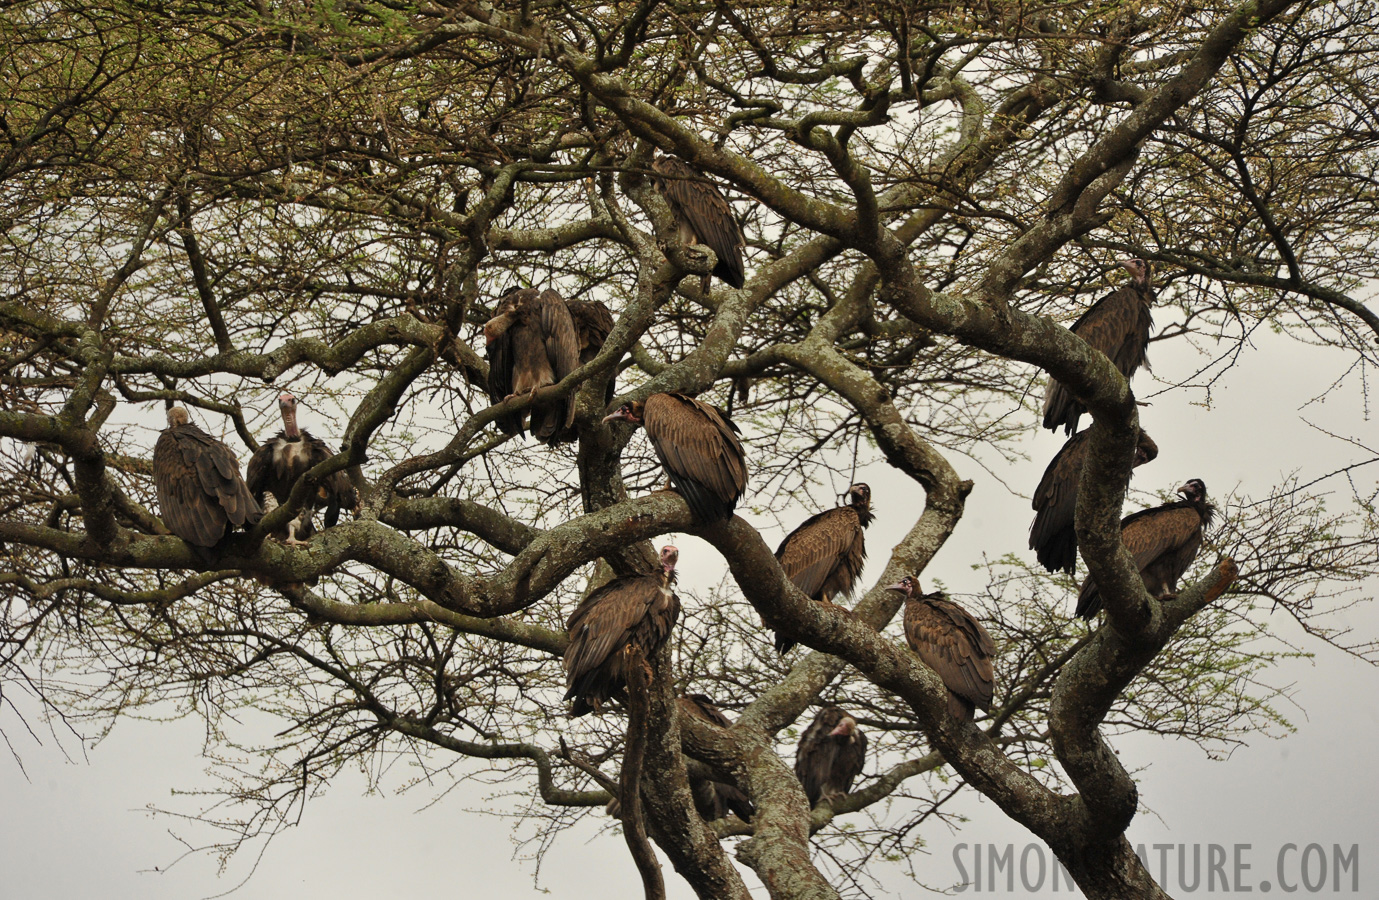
pixel 203 204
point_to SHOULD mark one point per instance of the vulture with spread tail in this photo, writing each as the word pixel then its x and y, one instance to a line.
pixel 593 321
pixel 1163 540
pixel 712 798
pixel 200 491
pixel 291 453
pixel 951 642
pixel 634 612
pixel 532 343
pixel 698 447
pixel 1117 325
pixel 1052 537
pixel 702 216
pixel 831 754
pixel 824 556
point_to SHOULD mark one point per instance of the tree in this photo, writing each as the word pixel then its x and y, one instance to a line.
pixel 200 203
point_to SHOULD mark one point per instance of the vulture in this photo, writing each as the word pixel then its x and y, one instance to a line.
pixel 698 447
pixel 200 492
pixel 275 467
pixel 593 321
pixel 1051 537
pixel 824 556
pixel 532 343
pixel 830 757
pixel 953 644
pixel 631 612
pixel 1117 325
pixel 713 799
pixel 702 216
pixel 1164 541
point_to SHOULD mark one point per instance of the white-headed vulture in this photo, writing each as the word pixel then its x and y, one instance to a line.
pixel 698 447
pixel 1163 540
pixel 291 453
pixel 831 754
pixel 631 612
pixel 824 556
pixel 593 321
pixel 712 798
pixel 200 491
pixel 702 216
pixel 1118 325
pixel 1052 537
pixel 951 642
pixel 532 343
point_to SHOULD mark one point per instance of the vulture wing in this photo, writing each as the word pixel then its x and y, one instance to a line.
pixel 1163 540
pixel 825 765
pixel 1118 325
pixel 502 359
pixel 200 491
pixel 701 208
pixel 632 610
pixel 823 557
pixel 713 798
pixel 556 332
pixel 593 321
pixel 1052 537
pixel 957 647
pixel 698 447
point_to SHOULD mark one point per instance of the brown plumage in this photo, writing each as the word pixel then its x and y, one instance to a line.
pixel 1117 325
pixel 1163 540
pixel 291 453
pixel 532 344
pixel 951 642
pixel 713 798
pixel 698 447
pixel 1052 537
pixel 635 611
pixel 831 754
pixel 593 321
pixel 824 556
pixel 200 492
pixel 702 216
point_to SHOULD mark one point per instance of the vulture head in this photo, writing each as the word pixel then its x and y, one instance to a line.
pixel 907 586
pixel 503 316
pixel 1194 491
pixel 287 405
pixel 669 556
pixel 177 416
pixel 845 730
pixel 1146 450
pixel 1138 269
pixel 859 496
pixel 628 412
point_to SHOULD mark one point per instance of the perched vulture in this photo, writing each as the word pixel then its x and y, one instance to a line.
pixel 635 611
pixel 713 799
pixel 1051 537
pixel 702 216
pixel 532 343
pixel 953 644
pixel 593 321
pixel 698 447
pixel 830 757
pixel 200 492
pixel 1117 325
pixel 824 556
pixel 1164 541
pixel 275 467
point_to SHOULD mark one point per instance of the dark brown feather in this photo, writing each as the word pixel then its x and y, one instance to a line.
pixel 954 644
pixel 714 798
pixel 531 343
pixel 698 446
pixel 824 556
pixel 280 461
pixel 703 216
pixel 200 491
pixel 593 321
pixel 825 764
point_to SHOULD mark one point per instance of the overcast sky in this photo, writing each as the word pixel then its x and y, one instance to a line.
pixel 80 827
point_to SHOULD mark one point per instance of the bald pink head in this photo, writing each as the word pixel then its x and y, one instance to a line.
pixel 287 405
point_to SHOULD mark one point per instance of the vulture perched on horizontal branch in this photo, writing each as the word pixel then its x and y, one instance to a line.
pixel 625 619
pixel 831 754
pixel 952 643
pixel 593 321
pixel 1052 537
pixel 1163 540
pixel 698 447
pixel 1118 325
pixel 702 216
pixel 532 343
pixel 712 798
pixel 291 453
pixel 824 556
pixel 200 492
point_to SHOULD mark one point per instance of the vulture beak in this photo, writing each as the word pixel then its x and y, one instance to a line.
pixel 1185 490
pixel 623 413
pixel 899 586
pixel 844 728
pixel 286 398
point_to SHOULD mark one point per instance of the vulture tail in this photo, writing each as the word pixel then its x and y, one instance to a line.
pixel 1088 600
pixel 1062 409
pixel 730 270
pixel 1055 550
pixel 783 644
pixel 959 707
pixel 704 504
pixel 332 511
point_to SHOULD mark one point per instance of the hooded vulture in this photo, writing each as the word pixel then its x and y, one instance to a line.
pixel 593 321
pixel 698 447
pixel 702 216
pixel 532 343
pixel 1163 540
pixel 1117 325
pixel 712 798
pixel 824 556
pixel 953 644
pixel 275 467
pixel 634 612
pixel 830 757
pixel 1052 537
pixel 200 492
